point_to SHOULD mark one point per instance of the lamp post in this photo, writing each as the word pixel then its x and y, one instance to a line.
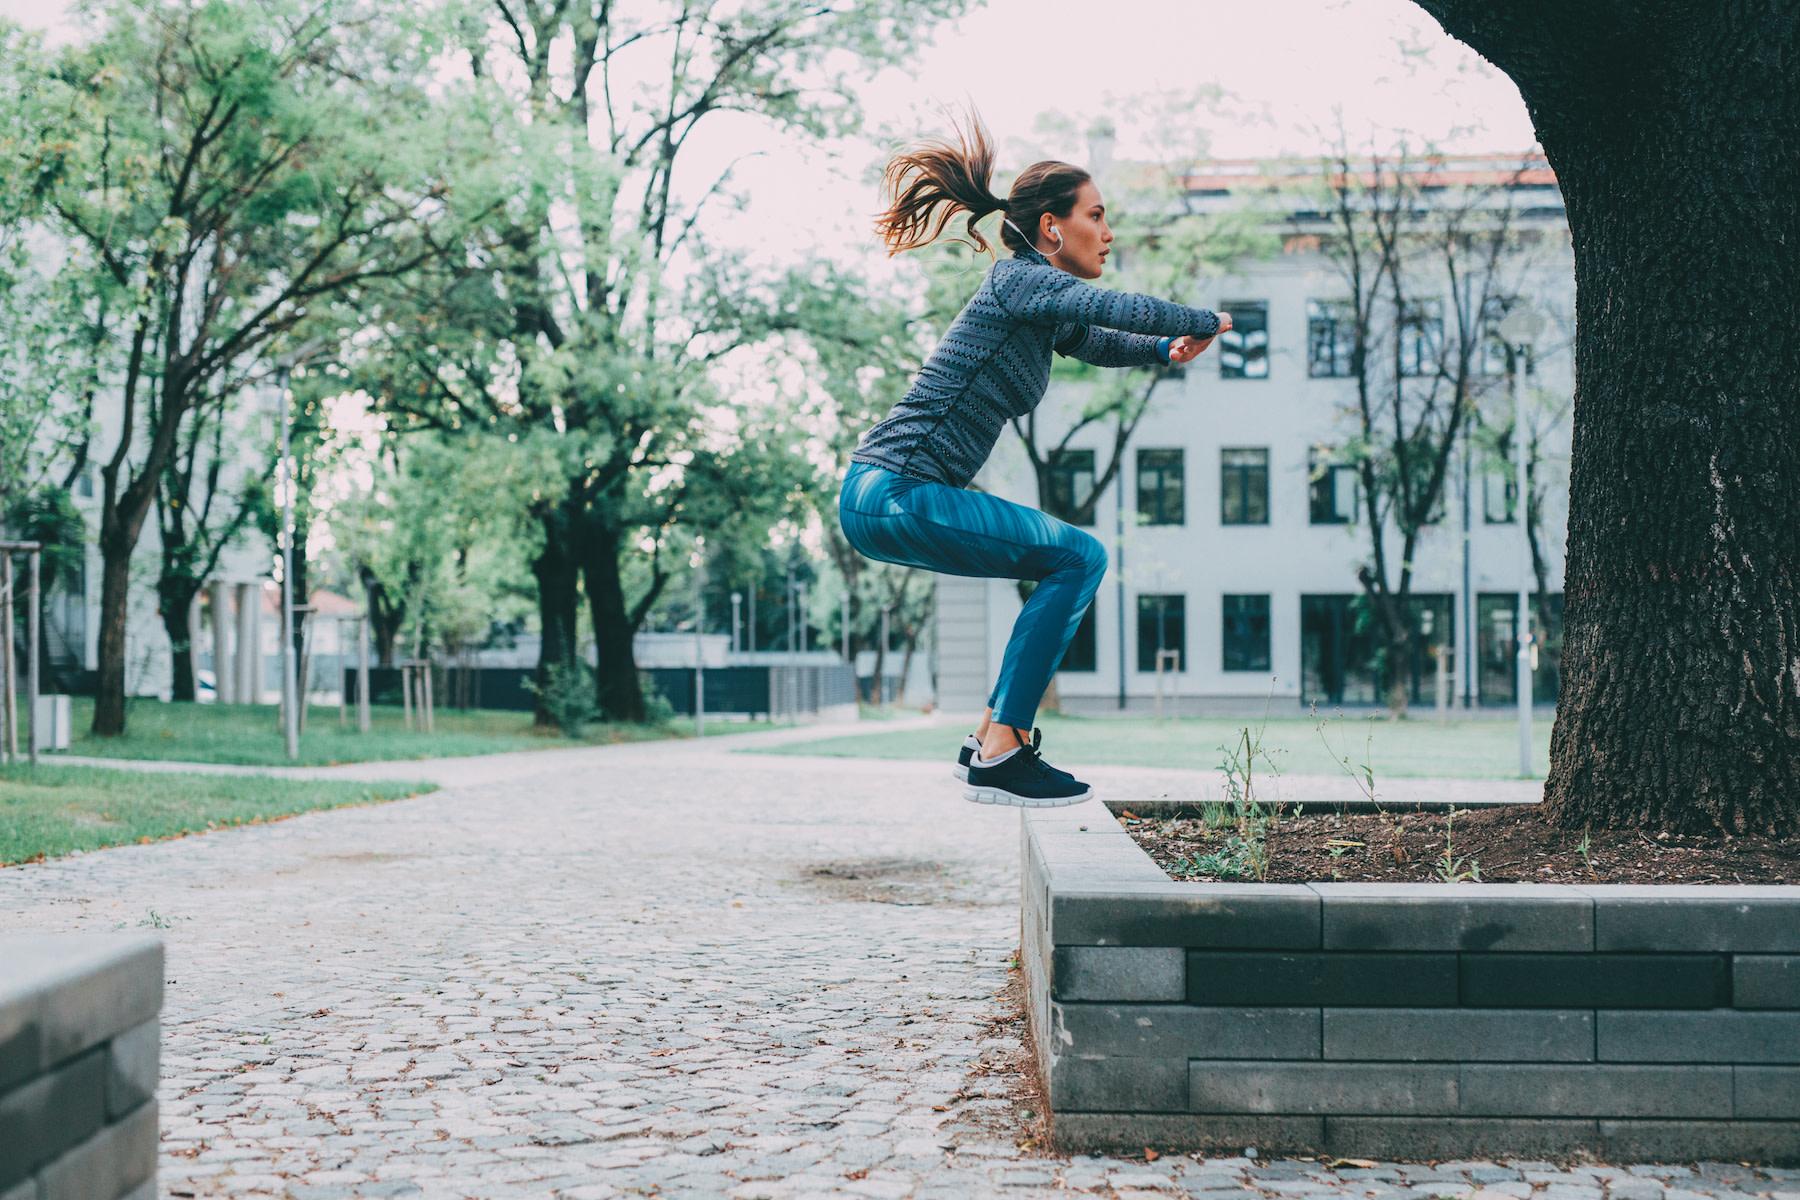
pixel 699 638
pixel 1521 329
pixel 290 710
pixel 737 622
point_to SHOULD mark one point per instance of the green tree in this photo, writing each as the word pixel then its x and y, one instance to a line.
pixel 221 167
pixel 605 319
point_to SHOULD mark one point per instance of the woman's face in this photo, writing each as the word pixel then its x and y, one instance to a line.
pixel 1086 237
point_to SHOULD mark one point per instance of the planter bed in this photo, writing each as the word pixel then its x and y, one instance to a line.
pixel 1406 1021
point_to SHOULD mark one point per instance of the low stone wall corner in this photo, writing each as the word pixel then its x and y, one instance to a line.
pixel 79 1059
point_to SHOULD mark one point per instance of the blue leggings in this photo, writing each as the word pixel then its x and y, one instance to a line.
pixel 895 519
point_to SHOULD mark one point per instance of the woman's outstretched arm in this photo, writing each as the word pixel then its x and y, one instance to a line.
pixel 1043 295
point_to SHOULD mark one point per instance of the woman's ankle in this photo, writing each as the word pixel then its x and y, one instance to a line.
pixel 998 740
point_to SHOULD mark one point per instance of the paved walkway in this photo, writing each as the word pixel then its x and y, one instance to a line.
pixel 654 970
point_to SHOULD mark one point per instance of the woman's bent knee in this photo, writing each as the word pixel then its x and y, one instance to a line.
pixel 1093 559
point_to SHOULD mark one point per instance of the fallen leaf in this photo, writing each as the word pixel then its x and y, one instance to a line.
pixel 1150 1155
pixel 1351 1162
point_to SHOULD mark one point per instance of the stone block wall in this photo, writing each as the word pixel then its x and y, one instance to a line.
pixel 79 1044
pixel 1422 1021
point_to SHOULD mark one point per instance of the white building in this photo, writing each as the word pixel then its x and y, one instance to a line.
pixel 1233 541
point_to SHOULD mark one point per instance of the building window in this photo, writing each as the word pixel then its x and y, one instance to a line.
pixel 1498 650
pixel 1421 337
pixel 1244 487
pixel 1499 497
pixel 84 486
pixel 1336 651
pixel 1244 349
pixel 1162 625
pixel 1071 485
pixel 1334 490
pixel 1083 653
pixel 1330 338
pixel 1159 487
pixel 1246 633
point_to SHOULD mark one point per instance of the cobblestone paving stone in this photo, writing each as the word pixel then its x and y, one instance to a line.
pixel 657 970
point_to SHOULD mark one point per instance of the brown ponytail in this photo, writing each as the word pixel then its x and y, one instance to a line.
pixel 934 180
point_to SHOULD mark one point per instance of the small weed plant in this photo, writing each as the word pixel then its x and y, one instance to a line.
pixel 1450 868
pixel 1240 817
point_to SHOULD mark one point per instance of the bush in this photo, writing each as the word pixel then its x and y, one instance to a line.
pixel 567 695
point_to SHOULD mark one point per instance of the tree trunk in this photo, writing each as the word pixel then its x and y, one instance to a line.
pixel 617 690
pixel 115 599
pixel 557 574
pixel 176 593
pixel 1399 659
pixel 1671 131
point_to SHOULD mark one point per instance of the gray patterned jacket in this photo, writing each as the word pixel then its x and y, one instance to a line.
pixel 993 363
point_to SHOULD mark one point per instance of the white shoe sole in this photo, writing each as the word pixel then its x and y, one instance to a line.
pixel 994 795
pixel 961 772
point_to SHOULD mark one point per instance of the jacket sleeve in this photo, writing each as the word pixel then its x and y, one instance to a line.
pixel 1109 347
pixel 1041 295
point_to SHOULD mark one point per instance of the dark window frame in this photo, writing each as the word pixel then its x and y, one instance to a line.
pixel 1330 338
pixel 1244 631
pixel 1153 504
pixel 1322 475
pixel 1251 480
pixel 1164 615
pixel 1244 349
pixel 1421 334
pixel 1064 470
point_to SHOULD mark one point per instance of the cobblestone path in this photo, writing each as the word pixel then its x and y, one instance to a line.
pixel 660 970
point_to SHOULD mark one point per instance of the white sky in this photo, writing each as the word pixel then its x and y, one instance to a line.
pixel 1287 66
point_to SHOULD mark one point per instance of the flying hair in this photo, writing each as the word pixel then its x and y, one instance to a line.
pixel 932 181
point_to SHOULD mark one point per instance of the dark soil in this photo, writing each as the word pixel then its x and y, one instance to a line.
pixel 1505 845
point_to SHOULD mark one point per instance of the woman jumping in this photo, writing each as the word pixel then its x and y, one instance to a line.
pixel 904 499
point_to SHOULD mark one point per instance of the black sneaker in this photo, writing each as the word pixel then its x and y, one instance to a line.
pixel 971 745
pixel 1037 745
pixel 1023 780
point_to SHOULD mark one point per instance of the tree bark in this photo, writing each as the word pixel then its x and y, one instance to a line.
pixel 176 597
pixel 115 598
pixel 617 690
pixel 1671 130
pixel 557 573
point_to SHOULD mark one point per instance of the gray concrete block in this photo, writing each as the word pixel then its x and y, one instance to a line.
pixel 1715 1036
pixel 1594 1090
pixel 1746 919
pixel 1225 977
pixel 1194 915
pixel 25 1189
pixel 1594 980
pixel 1141 973
pixel 1183 1031
pixel 88 987
pixel 1435 1139
pixel 1080 1084
pixel 1766 1093
pixel 50 1114
pixel 133 1059
pixel 21 1040
pixel 1321 1088
pixel 143 1191
pixel 109 1165
pixel 1471 917
pixel 1100 1133
pixel 1692 1141
pixel 1765 981
pixel 1458 1035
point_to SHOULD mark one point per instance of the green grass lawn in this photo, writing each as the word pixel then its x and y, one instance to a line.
pixel 250 735
pixel 54 809
pixel 1469 749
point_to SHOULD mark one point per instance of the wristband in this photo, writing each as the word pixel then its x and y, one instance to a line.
pixel 1162 348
